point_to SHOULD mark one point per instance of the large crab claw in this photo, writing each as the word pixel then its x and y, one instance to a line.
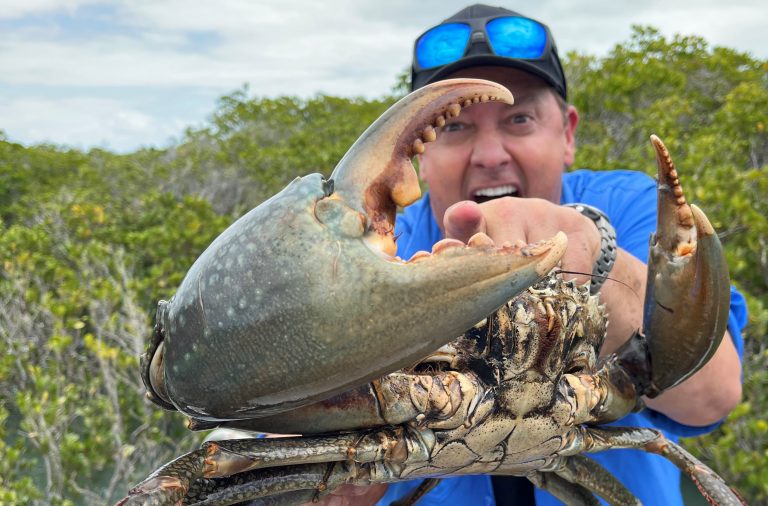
pixel 305 286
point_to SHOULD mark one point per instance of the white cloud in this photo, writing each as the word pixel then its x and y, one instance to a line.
pixel 284 58
pixel 83 122
pixel 232 16
pixel 12 9
pixel 595 27
pixel 294 47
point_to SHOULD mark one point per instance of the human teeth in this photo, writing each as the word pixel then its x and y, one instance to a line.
pixel 496 191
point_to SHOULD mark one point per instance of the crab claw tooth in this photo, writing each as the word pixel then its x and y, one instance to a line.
pixel 429 134
pixel 446 244
pixel 419 255
pixel 688 294
pixel 480 240
pixel 675 227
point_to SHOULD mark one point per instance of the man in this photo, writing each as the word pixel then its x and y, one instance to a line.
pixel 499 169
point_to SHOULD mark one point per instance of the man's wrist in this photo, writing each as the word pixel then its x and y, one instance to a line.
pixel 608 246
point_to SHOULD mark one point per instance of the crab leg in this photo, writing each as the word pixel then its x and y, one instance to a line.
pixel 711 486
pixel 169 484
pixel 233 460
pixel 569 493
pixel 587 473
pixel 442 398
pixel 287 485
pixel 274 486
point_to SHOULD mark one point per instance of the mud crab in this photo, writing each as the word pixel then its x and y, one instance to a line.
pixel 309 278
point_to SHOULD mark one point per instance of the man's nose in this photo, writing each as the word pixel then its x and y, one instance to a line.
pixel 489 151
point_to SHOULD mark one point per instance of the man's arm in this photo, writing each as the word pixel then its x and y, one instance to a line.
pixel 703 399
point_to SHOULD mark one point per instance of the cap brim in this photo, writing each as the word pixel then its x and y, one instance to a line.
pixel 424 77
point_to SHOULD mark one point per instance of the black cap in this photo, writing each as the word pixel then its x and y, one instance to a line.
pixel 548 67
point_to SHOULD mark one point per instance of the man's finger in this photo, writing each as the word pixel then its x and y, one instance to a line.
pixel 463 220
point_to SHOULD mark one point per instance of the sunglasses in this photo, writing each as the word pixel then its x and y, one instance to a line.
pixel 507 36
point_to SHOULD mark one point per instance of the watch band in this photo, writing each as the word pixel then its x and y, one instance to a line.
pixel 608 247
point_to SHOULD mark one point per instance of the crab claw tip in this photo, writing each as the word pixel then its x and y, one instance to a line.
pixel 556 248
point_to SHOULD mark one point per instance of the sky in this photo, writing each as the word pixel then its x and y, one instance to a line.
pixel 125 74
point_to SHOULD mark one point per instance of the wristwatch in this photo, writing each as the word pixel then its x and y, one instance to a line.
pixel 608 247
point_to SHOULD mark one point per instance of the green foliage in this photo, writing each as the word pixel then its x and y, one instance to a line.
pixel 82 261
pixel 254 147
pixel 89 241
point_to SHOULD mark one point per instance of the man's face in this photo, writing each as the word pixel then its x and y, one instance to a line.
pixel 493 149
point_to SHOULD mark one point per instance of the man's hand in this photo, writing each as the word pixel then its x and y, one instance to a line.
pixel 352 495
pixel 528 220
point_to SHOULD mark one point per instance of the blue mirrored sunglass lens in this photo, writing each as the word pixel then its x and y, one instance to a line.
pixel 517 37
pixel 442 44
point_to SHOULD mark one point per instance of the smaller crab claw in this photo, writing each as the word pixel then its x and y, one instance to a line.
pixel 687 295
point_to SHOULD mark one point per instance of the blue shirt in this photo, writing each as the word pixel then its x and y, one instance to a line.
pixel 629 200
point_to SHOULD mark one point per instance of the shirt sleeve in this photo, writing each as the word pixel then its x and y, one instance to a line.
pixel 416 229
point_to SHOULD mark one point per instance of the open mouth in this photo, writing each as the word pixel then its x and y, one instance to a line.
pixel 486 194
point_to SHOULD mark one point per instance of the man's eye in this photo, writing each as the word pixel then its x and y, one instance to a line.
pixel 519 119
pixel 454 127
